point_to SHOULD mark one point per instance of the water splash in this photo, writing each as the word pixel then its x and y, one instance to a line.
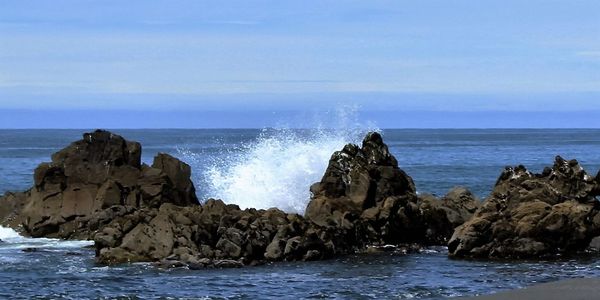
pixel 277 169
pixel 12 240
pixel 8 234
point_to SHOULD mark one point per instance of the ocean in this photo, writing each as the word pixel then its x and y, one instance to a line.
pixel 274 167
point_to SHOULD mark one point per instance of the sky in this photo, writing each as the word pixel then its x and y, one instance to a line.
pixel 143 64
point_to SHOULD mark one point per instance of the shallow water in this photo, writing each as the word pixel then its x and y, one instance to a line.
pixel 68 271
pixel 436 159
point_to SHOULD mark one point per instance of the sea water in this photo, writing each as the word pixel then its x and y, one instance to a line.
pixel 275 167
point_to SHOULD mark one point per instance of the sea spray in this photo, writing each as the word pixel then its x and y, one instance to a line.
pixel 8 234
pixel 279 166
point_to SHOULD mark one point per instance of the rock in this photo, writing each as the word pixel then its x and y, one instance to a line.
pixel 275 249
pixel 227 263
pixel 594 244
pixel 441 216
pixel 312 255
pixel 217 232
pixel 30 249
pixel 74 194
pixel 228 248
pixel 532 215
pixel 11 205
pixel 367 199
pixel 97 188
pixel 357 179
pixel 180 175
pixel 170 264
pixel 460 205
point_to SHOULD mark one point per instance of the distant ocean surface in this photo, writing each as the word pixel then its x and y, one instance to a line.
pixel 269 167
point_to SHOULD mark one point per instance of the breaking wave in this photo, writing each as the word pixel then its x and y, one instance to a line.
pixel 12 240
pixel 277 169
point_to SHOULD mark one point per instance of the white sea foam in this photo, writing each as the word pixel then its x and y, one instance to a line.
pixel 12 240
pixel 7 234
pixel 278 168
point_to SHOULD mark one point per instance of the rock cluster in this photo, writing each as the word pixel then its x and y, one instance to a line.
pixel 88 181
pixel 209 235
pixel 368 199
pixel 363 199
pixel 531 215
pixel 98 189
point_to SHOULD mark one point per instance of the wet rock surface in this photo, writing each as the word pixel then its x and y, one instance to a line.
pixel 533 215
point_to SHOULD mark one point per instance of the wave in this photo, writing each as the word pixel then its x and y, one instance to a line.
pixel 277 169
pixel 12 240
pixel 7 234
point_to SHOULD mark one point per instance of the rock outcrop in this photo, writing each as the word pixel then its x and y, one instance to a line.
pixel 87 181
pixel 532 215
pixel 368 200
pixel 363 199
pixel 97 188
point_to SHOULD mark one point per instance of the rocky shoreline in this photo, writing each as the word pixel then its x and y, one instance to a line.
pixel 98 189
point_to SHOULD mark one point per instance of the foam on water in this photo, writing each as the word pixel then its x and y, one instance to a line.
pixel 7 234
pixel 12 240
pixel 278 168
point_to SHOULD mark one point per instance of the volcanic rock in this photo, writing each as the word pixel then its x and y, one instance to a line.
pixel 97 188
pixel 441 216
pixel 533 215
pixel 90 182
pixel 366 199
pixel 215 231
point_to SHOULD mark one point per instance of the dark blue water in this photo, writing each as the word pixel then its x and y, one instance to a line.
pixel 436 159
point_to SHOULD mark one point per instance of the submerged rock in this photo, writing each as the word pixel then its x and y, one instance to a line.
pixel 533 215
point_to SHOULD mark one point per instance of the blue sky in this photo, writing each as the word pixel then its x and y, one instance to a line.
pixel 292 58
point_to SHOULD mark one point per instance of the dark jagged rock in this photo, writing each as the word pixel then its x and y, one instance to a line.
pixel 441 216
pixel 11 204
pixel 214 234
pixel 98 189
pixel 91 181
pixel 533 215
pixel 597 180
pixel 358 179
pixel 364 198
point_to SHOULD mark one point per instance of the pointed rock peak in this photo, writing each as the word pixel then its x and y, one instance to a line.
pixel 567 168
pixel 376 151
pixel 373 138
pixel 513 173
pixel 99 135
pixel 561 165
pixel 351 149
